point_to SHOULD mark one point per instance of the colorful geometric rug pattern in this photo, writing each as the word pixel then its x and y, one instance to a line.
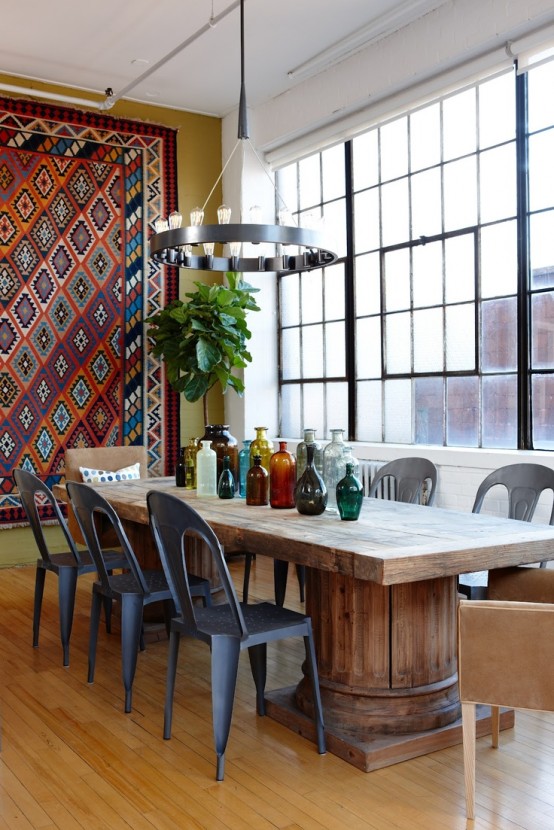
pixel 78 193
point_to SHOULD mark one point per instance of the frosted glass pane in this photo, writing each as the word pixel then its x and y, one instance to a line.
pixel 497 117
pixel 368 284
pixel 314 407
pixel 398 351
pixel 543 412
pixel 541 101
pixel 398 411
pixel 368 347
pixel 397 280
pixel 366 221
pixel 290 411
pixel 459 124
pixel 287 186
pixel 499 259
pixel 290 353
pixel 425 137
pixel 334 226
pixel 460 194
pixel 428 410
pixel 369 412
pixel 427 274
pixel 499 335
pixel 462 412
pixel 542 331
pixel 500 411
pixel 542 250
pixel 333 286
pixel 428 340
pixel 337 407
pixel 312 351
pixel 290 299
pixel 366 160
pixel 309 181
pixel 426 203
pixel 394 149
pixel 541 170
pixel 332 162
pixel 335 360
pixel 394 212
pixel 459 265
pixel 460 338
pixel 498 183
pixel 311 289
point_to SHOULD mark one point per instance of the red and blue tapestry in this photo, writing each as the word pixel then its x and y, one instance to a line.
pixel 79 194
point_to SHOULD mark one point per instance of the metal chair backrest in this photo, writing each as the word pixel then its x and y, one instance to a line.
pixel 89 507
pixel 173 521
pixel 409 475
pixel 31 489
pixel 525 483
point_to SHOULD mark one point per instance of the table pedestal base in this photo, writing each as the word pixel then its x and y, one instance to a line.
pixel 376 750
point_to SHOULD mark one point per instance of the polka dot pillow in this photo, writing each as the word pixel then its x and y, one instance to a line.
pixel 91 476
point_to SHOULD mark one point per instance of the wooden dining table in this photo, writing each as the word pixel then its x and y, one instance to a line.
pixel 382 595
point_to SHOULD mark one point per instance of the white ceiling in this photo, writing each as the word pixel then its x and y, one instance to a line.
pixel 110 43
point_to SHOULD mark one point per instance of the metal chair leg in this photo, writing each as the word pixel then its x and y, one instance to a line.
pixel 93 635
pixel 258 664
pixel 172 657
pixel 131 627
pixel 225 660
pixel 67 585
pixel 39 592
pixel 316 694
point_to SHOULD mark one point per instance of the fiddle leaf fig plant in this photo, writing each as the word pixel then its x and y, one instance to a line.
pixel 202 341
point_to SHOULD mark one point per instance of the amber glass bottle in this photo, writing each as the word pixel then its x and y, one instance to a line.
pixel 257 484
pixel 282 477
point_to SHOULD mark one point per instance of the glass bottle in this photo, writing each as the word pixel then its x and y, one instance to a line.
pixel 262 446
pixel 257 484
pixel 333 466
pixel 223 443
pixel 206 470
pixel 190 464
pixel 226 483
pixel 350 495
pixel 282 477
pixel 348 458
pixel 244 466
pixel 302 457
pixel 310 494
pixel 180 477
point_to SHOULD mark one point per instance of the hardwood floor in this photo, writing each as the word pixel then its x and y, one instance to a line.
pixel 71 758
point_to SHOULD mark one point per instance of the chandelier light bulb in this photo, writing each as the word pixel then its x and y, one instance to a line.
pixel 285 217
pixel 161 225
pixel 255 214
pixel 235 247
pixel 175 219
pixel 223 214
pixel 209 248
pixel 196 216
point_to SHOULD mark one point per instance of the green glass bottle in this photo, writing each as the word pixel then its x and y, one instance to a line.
pixel 226 483
pixel 262 446
pixel 350 495
pixel 190 464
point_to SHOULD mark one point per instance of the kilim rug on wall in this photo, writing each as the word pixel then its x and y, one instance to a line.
pixel 78 195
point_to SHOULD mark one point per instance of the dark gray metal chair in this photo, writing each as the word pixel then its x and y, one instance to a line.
pixel 525 484
pixel 67 566
pixel 409 475
pixel 228 628
pixel 133 589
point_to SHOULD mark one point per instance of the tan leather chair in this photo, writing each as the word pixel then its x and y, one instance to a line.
pixel 497 667
pixel 522 584
pixel 100 458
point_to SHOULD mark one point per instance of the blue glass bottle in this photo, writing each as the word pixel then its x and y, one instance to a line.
pixel 226 483
pixel 244 466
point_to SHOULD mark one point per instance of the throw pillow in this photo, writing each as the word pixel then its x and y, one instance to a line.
pixel 91 476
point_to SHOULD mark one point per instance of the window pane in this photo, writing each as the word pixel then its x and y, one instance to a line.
pixel 542 328
pixel 462 412
pixel 459 124
pixel 394 149
pixel 311 289
pixel 425 137
pixel 287 179
pixel 332 163
pixel 398 345
pixel 335 360
pixel 290 410
pixel 541 170
pixel 310 181
pixel 333 284
pixel 460 194
pixel 500 411
pixel 541 102
pixel 499 336
pixel 426 203
pixel 368 284
pixel 290 353
pixel 368 347
pixel 543 412
pixel 459 265
pixel 429 410
pixel 312 351
pixel 428 340
pixel 314 407
pixel 336 407
pixel 499 259
pixel 542 249
pixel 394 212
pixel 397 280
pixel 498 183
pixel 334 225
pixel 366 221
pixel 366 160
pixel 398 411
pixel 497 119
pixel 460 338
pixel 427 274
pixel 369 413
pixel 290 299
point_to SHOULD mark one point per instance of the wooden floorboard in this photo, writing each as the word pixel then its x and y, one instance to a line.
pixel 71 759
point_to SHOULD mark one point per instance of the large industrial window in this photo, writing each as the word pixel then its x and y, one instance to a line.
pixel 436 325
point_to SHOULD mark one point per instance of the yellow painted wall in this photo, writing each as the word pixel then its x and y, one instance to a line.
pixel 198 166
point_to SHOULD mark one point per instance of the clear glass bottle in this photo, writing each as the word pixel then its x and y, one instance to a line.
pixel 223 443
pixel 226 483
pixel 190 464
pixel 282 477
pixel 350 495
pixel 206 470
pixel 302 456
pixel 348 458
pixel 257 484
pixel 333 466
pixel 180 479
pixel 310 494
pixel 244 466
